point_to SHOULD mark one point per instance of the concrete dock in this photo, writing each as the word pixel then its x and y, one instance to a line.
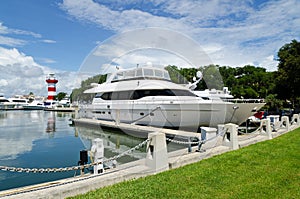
pixel 82 184
pixel 139 130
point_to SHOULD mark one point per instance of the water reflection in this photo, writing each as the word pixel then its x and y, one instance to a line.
pixel 41 139
pixel 51 123
pixel 115 142
pixel 18 130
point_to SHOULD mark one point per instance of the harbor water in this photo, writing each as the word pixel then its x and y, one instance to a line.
pixel 43 139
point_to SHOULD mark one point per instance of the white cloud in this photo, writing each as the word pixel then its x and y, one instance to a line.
pixel 242 32
pixel 46 60
pixel 20 74
pixel 13 56
pixel 49 41
pixel 10 40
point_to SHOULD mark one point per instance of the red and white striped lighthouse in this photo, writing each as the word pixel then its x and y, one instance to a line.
pixel 51 80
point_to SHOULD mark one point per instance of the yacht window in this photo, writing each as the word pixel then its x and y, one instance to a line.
pixel 119 76
pixel 129 74
pixel 19 101
pixel 158 73
pixel 123 95
pixel 106 96
pixel 148 72
pixel 137 94
pixel 163 92
pixel 139 72
pixel 98 95
pixel 166 75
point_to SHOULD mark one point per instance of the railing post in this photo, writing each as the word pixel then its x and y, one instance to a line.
pixel 230 138
pixel 98 153
pixel 265 127
pixel 295 119
pixel 157 157
pixel 275 123
pixel 209 137
pixel 285 123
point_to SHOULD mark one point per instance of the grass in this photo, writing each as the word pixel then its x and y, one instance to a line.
pixel 269 169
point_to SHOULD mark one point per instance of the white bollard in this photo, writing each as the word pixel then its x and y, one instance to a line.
pixel 265 127
pixel 230 138
pixel 209 136
pixel 285 123
pixel 157 157
pixel 274 119
pixel 295 119
pixel 98 154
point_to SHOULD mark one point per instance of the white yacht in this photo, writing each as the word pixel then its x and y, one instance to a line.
pixel 146 96
pixel 65 102
pixel 14 103
pixel 3 99
pixel 36 104
pixel 4 102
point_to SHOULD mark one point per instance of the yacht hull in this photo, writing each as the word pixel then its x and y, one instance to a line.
pixel 172 114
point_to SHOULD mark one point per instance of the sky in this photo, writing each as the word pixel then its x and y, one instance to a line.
pixel 38 37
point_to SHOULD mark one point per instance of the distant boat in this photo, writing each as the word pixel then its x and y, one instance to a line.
pixel 36 104
pixel 14 103
pixel 3 99
pixel 4 102
pixel 50 104
pixel 65 102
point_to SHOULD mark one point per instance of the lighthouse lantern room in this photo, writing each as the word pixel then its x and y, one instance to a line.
pixel 51 81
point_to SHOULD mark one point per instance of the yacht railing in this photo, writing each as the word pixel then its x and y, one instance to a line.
pixel 245 100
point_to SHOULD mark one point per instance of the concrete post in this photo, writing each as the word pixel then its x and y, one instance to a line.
pixel 209 136
pixel 230 138
pixel 118 117
pixel 157 157
pixel 295 119
pixel 98 154
pixel 265 127
pixel 285 123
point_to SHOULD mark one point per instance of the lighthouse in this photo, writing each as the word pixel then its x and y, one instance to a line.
pixel 51 81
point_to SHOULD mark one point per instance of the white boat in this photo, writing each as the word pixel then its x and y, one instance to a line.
pixel 14 103
pixel 3 99
pixel 36 104
pixel 50 104
pixel 4 103
pixel 65 102
pixel 146 96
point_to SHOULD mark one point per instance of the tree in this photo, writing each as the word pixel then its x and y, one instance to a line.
pixel 77 93
pixel 212 77
pixel 273 104
pixel 60 96
pixel 288 79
